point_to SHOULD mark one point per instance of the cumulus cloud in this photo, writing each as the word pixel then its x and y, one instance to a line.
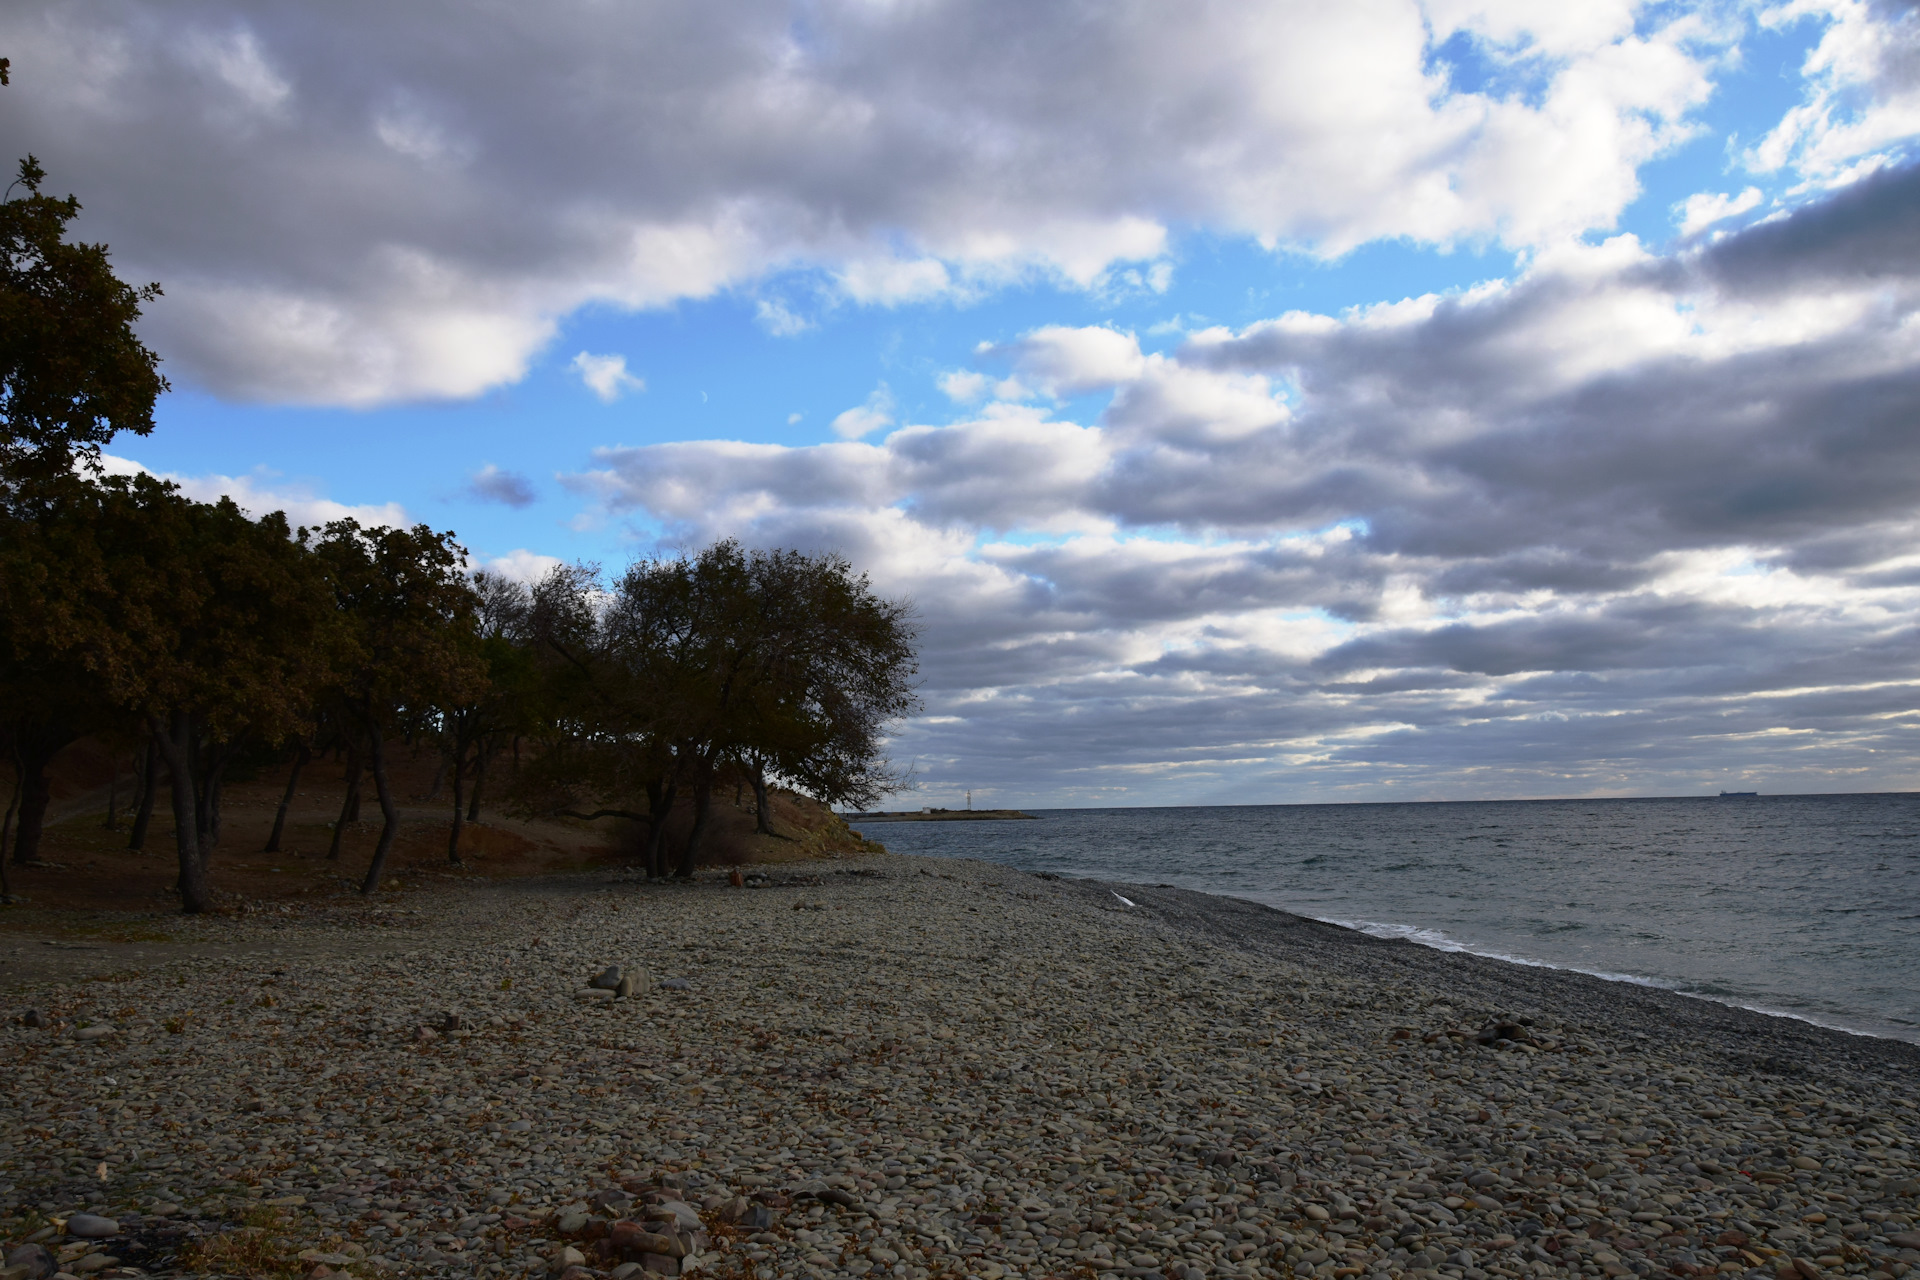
pixel 1862 106
pixel 260 493
pixel 524 566
pixel 1062 361
pixel 1698 212
pixel 867 418
pixel 492 484
pixel 1624 520
pixel 606 376
pixel 364 211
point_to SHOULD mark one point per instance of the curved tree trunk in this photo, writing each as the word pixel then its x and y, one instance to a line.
pixel 36 793
pixel 349 807
pixel 479 779
pixel 702 806
pixel 660 798
pixel 149 784
pixel 390 826
pixel 301 754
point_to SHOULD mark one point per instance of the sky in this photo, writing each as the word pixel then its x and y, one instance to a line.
pixel 1291 402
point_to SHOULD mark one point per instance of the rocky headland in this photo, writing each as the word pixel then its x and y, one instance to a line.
pixel 914 1067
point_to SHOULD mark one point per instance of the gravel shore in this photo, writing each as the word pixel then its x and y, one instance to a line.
pixel 920 1067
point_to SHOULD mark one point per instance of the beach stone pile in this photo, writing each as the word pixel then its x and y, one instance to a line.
pixel 912 1068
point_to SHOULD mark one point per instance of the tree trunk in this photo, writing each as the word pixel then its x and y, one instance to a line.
pixel 176 743
pixel 479 780
pixel 301 754
pixel 113 798
pixel 349 807
pixel 143 816
pixel 439 780
pixel 6 835
pixel 660 799
pixel 761 803
pixel 702 804
pixel 213 774
pixel 390 826
pixel 36 795
pixel 459 815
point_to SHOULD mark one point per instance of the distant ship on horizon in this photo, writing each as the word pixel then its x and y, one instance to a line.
pixel 1725 794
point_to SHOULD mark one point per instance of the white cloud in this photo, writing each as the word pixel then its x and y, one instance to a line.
pixel 258 494
pixel 890 281
pixel 777 319
pixel 1063 361
pixel 1862 104
pixel 964 386
pixel 523 565
pixel 865 419
pixel 606 376
pixel 1700 211
pixel 364 211
pixel 1621 519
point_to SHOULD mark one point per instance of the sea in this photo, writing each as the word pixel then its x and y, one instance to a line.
pixel 1802 906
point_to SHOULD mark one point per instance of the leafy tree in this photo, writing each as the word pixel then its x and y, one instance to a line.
pixel 408 610
pixel 72 374
pixel 607 699
pixel 72 371
pixel 838 669
pixel 226 630
pixel 783 663
pixel 54 636
pixel 504 704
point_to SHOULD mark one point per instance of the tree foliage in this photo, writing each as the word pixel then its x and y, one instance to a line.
pixel 73 373
pixel 130 611
pixel 778 662
pixel 410 640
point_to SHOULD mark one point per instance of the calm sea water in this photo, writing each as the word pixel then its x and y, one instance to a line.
pixel 1801 905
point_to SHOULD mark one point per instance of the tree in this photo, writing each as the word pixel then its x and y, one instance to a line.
pixel 838 669
pixel 408 610
pixel 781 662
pixel 502 706
pixel 72 371
pixel 226 631
pixel 605 687
pixel 54 636
pixel 72 374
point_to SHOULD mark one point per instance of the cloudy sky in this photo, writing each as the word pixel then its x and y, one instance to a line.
pixel 1274 402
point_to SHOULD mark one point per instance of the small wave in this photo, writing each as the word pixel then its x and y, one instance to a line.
pixel 1439 940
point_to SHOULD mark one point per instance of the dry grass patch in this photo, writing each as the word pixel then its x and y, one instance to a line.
pixel 257 1251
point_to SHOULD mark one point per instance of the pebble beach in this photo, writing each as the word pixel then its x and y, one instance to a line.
pixel 914 1067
